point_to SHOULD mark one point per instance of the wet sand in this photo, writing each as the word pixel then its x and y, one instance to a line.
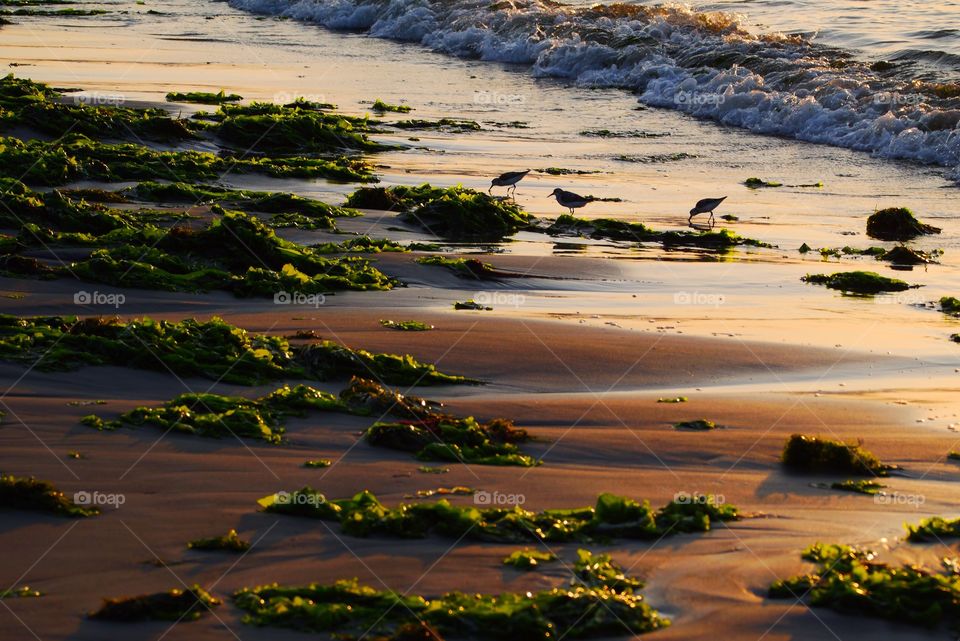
pixel 580 363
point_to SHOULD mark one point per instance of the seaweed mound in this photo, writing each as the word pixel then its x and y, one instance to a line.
pixel 453 213
pixel 21 493
pixel 858 282
pixel 455 440
pixel 816 455
pixel 897 223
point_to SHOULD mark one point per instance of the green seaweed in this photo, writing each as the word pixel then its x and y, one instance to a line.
pixel 456 125
pixel 813 454
pixel 608 228
pixel 76 13
pixel 212 349
pixel 466 267
pixel 606 607
pixel 406 326
pixel 452 213
pixel 217 416
pixel 37 107
pixel 429 469
pixel 229 542
pixel 700 425
pixel 858 486
pixel 756 183
pixel 600 570
pixel 849 581
pixel 950 305
pixel 174 605
pixel 245 200
pixel 897 223
pixel 28 493
pixel 471 305
pixel 236 252
pixel 383 107
pixel 266 127
pixel 613 517
pixel 858 282
pixel 203 97
pixel 23 592
pixel 454 440
pixel 76 157
pixel 317 463
pixel 673 399
pixel 934 529
pixel 528 559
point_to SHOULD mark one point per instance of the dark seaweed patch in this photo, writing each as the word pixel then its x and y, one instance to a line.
pixel 897 223
pixel 858 282
pixel 817 455
pixel 174 605
pixel 28 493
pixel 229 542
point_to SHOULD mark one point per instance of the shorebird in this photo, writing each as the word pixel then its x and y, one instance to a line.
pixel 705 206
pixel 571 200
pixel 508 180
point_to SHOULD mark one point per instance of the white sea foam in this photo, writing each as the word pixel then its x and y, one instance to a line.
pixel 700 63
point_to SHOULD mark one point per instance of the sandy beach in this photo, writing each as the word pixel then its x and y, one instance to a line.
pixel 586 339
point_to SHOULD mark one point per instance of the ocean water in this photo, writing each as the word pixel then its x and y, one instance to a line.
pixel 882 82
pixel 922 35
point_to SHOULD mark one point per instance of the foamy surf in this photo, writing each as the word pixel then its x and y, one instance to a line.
pixel 701 63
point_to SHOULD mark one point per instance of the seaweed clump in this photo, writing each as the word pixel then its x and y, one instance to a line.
pixel 700 425
pixel 229 542
pixel 216 416
pixel 406 326
pixel 527 559
pixel 950 305
pixel 452 213
pixel 897 223
pixel 858 486
pixel 610 229
pixel 603 607
pixel 174 605
pixel 610 518
pixel 203 97
pixel 816 455
pixel 23 493
pixel 445 438
pixel 858 282
pixel 757 183
pixel 382 107
pixel 935 528
pixel 849 580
